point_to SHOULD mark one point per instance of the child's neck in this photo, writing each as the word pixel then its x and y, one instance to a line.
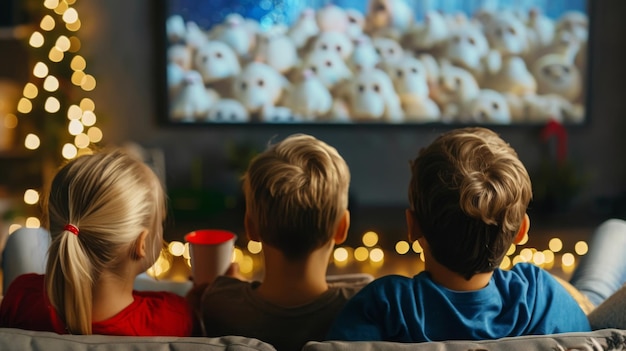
pixel 452 280
pixel 293 283
pixel 111 295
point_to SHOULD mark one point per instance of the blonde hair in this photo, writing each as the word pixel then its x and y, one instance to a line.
pixel 111 197
pixel 296 192
pixel 469 193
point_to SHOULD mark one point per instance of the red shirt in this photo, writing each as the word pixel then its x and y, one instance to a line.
pixel 26 306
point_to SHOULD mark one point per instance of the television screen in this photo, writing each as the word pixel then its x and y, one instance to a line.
pixel 394 62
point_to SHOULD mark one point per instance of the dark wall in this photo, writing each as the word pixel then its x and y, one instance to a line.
pixel 118 42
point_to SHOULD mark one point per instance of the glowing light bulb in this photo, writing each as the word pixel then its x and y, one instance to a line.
pixel 52 105
pixel 63 43
pixel 568 259
pixel 40 70
pixel 70 15
pixel 81 141
pixel 95 134
pixel 370 239
pixel 377 255
pixel 555 244
pixel 78 63
pixel 74 112
pixel 32 141
pixel 47 23
pixel 254 247
pixel 31 196
pixel 24 106
pixel 51 83
pixel 75 127
pixel 361 254
pixel 33 222
pixel 581 248
pixel 51 4
pixel 69 151
pixel 88 119
pixel 30 90
pixel 340 254
pixel 402 247
pixel 36 40
pixel 176 248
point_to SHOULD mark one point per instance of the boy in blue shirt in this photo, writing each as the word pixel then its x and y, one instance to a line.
pixel 468 198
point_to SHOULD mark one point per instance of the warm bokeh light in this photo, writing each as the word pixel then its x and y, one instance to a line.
pixel 78 63
pixel 370 239
pixel 187 252
pixel 176 248
pixel 74 27
pixel 549 255
pixel 70 16
pixel 160 267
pixel 51 4
pixel 539 258
pixel 512 249
pixel 55 55
pixel 568 259
pixel 47 23
pixel 36 40
pixel 77 77
pixel 10 121
pixel 555 244
pixel 81 141
pixel 31 196
pixel 581 248
pixel 417 248
pixel 95 134
pixel 506 263
pixel 69 151
pixel 517 259
pixel 246 266
pixel 402 247
pixel 340 254
pixel 63 43
pixel 86 104
pixel 377 255
pixel 75 127
pixel 254 247
pixel 32 141
pixel 52 105
pixel 237 254
pixel 74 112
pixel 88 119
pixel 24 106
pixel 524 240
pixel 526 254
pixel 33 222
pixel 40 70
pixel 74 44
pixel 30 91
pixel 61 8
pixel 361 254
pixel 13 227
pixel 51 83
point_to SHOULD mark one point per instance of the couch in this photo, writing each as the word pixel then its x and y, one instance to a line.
pixel 15 339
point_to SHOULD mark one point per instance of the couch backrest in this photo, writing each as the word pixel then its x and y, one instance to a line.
pixel 600 340
pixel 25 340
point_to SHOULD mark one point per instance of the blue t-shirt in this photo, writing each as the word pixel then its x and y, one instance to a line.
pixel 521 301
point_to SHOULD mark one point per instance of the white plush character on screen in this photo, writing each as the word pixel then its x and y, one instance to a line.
pixel 388 49
pixel 557 74
pixel 234 32
pixel 181 55
pixel 193 100
pixel 373 98
pixel 489 107
pixel 456 86
pixel 195 37
pixel 390 18
pixel 216 61
pixel 467 47
pixel 541 108
pixel 277 50
pixel 334 41
pixel 175 79
pixel 228 111
pixel 332 18
pixel 259 86
pixel 328 67
pixel 304 28
pixel 427 36
pixel 309 97
pixel 574 22
pixel 409 78
pixel 356 23
pixel 364 55
pixel 175 29
pixel 541 30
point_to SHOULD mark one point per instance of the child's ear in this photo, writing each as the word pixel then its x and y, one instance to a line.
pixel 523 230
pixel 251 230
pixel 415 232
pixel 140 245
pixel 341 231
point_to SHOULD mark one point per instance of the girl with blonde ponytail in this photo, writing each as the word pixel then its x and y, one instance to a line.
pixel 104 213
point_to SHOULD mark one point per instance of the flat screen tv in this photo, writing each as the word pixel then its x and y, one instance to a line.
pixel 381 62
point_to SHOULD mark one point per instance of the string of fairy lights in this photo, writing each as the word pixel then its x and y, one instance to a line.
pixel 55 39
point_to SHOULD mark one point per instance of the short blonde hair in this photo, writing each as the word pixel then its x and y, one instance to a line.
pixel 296 192
pixel 111 197
pixel 469 193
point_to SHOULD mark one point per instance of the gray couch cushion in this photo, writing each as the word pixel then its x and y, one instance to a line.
pixel 17 339
pixel 600 340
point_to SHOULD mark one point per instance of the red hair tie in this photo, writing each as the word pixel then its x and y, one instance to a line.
pixel 71 228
